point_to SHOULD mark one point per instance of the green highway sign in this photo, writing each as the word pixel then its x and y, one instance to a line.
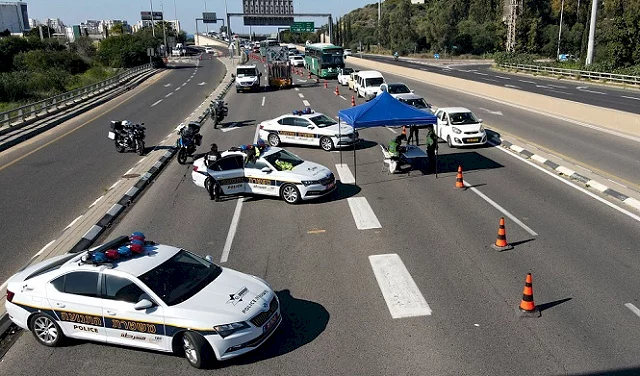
pixel 302 27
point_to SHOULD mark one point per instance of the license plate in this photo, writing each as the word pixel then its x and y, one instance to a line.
pixel 271 322
pixel 473 139
pixel 112 135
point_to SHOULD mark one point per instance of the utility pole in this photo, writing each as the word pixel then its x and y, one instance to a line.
pixel 379 13
pixel 226 12
pixel 153 31
pixel 206 25
pixel 511 27
pixel 164 30
pixel 592 32
pixel 560 31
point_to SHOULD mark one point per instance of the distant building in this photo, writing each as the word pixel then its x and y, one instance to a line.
pixel 33 23
pixel 55 23
pixel 14 17
pixel 175 24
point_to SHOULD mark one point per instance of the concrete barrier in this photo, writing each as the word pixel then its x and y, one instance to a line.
pixel 588 115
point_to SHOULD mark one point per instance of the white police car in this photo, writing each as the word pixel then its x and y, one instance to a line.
pixel 306 127
pixel 276 172
pixel 137 293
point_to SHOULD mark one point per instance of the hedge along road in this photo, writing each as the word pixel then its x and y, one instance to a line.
pixel 46 185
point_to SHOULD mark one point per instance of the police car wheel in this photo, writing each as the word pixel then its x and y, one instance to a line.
pixel 197 350
pixel 326 144
pixel 290 194
pixel 46 330
pixel 273 139
pixel 449 143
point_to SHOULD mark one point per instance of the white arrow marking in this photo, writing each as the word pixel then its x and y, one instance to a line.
pixel 492 112
pixel 202 83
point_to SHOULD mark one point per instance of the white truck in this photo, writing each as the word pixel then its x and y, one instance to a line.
pixel 247 78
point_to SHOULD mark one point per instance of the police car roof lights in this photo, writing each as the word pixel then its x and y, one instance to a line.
pixel 306 111
pixel 122 247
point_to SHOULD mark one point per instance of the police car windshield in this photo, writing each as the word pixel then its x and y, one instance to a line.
pixel 462 118
pixel 244 72
pixel 180 277
pixel 322 121
pixel 283 156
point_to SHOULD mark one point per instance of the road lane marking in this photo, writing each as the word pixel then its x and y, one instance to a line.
pixel 346 177
pixel 362 213
pixel 624 96
pixel 501 209
pixel 633 308
pixel 4 285
pixel 188 80
pixel 72 223
pixel 391 130
pixel 156 103
pixel 296 89
pixel 504 78
pixel 584 90
pixel 42 250
pixel 316 231
pixel 168 95
pixel 114 185
pixel 96 201
pixel 263 99
pixel 569 183
pixel 233 227
pixel 480 73
pixel 178 88
pixel 301 95
pixel 490 79
pixel 399 290
pixel 527 82
pixel 343 97
pixel 558 86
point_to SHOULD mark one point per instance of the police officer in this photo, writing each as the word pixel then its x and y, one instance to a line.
pixel 432 147
pixel 413 135
pixel 395 146
pixel 209 159
pixel 212 156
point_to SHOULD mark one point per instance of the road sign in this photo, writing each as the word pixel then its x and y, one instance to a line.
pixel 209 17
pixel 146 16
pixel 268 21
pixel 436 56
pixel 151 52
pixel 303 27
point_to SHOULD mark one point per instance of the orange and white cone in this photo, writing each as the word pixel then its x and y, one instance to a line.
pixel 326 84
pixel 353 101
pixel 337 91
pixel 459 181
pixel 501 241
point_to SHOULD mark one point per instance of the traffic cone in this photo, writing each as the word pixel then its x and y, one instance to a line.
pixel 309 76
pixel 326 84
pixel 353 101
pixel 501 242
pixel 459 181
pixel 527 306
pixel 337 91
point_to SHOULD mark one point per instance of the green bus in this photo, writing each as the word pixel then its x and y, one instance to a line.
pixel 323 59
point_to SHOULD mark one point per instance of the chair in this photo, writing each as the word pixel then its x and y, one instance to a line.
pixel 387 161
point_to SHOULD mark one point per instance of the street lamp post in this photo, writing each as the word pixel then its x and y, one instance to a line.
pixel 560 31
pixel 153 31
pixel 226 13
pixel 592 32
pixel 164 30
pixel 206 24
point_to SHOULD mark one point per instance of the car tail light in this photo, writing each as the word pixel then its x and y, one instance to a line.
pixel 10 295
pixel 195 168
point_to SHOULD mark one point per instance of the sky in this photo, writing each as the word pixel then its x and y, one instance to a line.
pixel 72 12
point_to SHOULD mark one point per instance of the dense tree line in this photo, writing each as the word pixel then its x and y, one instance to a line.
pixel 32 69
pixel 479 27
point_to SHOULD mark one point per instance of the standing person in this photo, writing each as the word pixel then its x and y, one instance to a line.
pixel 432 146
pixel 209 160
pixel 413 134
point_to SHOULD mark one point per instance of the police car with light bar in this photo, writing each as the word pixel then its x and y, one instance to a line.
pixel 137 293
pixel 306 127
pixel 273 172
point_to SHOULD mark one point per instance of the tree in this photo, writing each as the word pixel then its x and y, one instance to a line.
pixel 117 29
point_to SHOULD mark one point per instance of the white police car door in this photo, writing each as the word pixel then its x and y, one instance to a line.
pixel 124 324
pixel 287 130
pixel 442 124
pixel 229 173
pixel 305 132
pixel 76 303
pixel 261 182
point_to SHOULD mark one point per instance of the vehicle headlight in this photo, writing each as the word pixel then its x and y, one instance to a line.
pixel 481 128
pixel 456 130
pixel 309 182
pixel 228 329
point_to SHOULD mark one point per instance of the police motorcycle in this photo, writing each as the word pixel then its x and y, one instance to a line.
pixel 218 110
pixel 190 138
pixel 127 136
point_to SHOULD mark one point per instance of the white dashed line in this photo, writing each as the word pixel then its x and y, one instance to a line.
pixel 481 74
pixel 400 292
pixel 343 97
pixel 490 79
pixel 624 96
pixel 42 250
pixel 156 103
pixel 346 177
pixel 306 103
pixel 96 201
pixel 504 78
pixel 72 223
pixel 184 84
pixel 114 185
pixel 301 95
pixel 592 91
pixel 558 86
pixel 263 99
pixel 188 80
pixel 527 82
pixel 168 95
pixel 391 130
pixel 296 89
pixel 178 88
pixel 512 86
pixel 362 213
pixel 633 308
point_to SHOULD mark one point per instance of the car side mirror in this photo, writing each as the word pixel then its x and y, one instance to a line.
pixel 266 170
pixel 413 91
pixel 479 120
pixel 208 258
pixel 260 74
pixel 233 75
pixel 143 304
pixel 310 126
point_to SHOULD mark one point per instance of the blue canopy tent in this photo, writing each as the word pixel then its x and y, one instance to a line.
pixel 383 110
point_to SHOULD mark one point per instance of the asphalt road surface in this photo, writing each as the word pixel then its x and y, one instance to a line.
pixel 49 180
pixel 578 91
pixel 582 253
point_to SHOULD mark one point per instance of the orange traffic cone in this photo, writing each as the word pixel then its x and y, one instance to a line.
pixel 501 242
pixel 326 84
pixel 353 101
pixel 337 91
pixel 527 306
pixel 309 76
pixel 459 181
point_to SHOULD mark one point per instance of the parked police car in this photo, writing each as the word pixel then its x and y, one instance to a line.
pixel 276 172
pixel 306 127
pixel 137 293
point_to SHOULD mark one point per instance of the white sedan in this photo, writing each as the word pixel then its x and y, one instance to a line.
pixel 344 75
pixel 296 60
pixel 276 172
pixel 307 128
pixel 460 127
pixel 133 292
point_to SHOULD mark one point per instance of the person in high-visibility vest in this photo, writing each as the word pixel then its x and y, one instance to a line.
pixel 432 147
pixel 284 166
pixel 395 146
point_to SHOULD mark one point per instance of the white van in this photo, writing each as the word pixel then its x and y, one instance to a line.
pixel 368 84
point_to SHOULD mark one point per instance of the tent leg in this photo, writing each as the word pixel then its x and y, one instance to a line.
pixel 355 166
pixel 340 137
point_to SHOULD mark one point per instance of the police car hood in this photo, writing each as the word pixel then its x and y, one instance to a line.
pixel 310 170
pixel 343 130
pixel 233 296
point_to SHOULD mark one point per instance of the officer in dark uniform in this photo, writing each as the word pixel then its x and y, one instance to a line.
pixel 209 160
pixel 432 147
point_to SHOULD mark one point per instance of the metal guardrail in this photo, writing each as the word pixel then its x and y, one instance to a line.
pixel 21 114
pixel 575 73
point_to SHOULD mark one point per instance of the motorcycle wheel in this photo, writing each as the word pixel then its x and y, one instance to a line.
pixel 119 146
pixel 182 156
pixel 140 147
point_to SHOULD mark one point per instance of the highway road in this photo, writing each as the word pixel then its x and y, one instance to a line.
pixel 51 179
pixel 582 253
pixel 578 91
